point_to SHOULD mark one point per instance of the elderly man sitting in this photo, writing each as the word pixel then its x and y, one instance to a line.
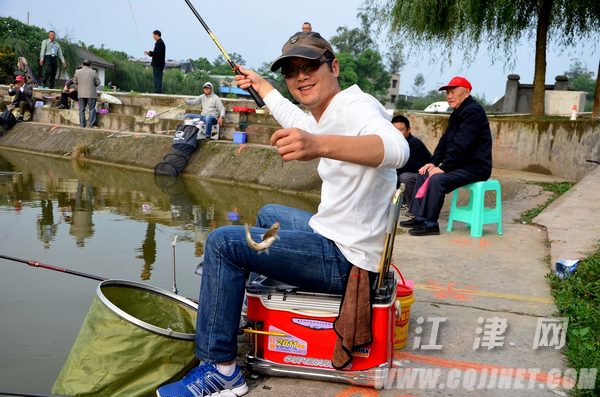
pixel 213 110
pixel 23 101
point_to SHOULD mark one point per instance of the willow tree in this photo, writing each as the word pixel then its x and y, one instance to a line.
pixel 500 24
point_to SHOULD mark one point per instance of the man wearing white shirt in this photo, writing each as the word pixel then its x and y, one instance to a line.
pixel 359 150
pixel 49 52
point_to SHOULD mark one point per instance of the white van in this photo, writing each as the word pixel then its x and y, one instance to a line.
pixel 438 107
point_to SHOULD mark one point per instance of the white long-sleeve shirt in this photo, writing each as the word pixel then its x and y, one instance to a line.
pixel 355 199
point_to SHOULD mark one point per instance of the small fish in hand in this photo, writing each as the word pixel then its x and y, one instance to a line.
pixel 267 239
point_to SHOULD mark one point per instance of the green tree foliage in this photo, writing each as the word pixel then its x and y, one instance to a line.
pixel 222 67
pixel 581 79
pixel 367 70
pixel 418 84
pixel 423 102
pixel 360 61
pixel 465 24
pixel 20 40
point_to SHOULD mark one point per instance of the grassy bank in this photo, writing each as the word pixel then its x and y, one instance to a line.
pixel 557 189
pixel 578 298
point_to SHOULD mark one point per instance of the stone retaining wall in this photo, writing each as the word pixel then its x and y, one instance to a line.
pixel 550 145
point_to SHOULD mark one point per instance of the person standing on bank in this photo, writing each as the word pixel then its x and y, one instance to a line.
pixel 358 149
pixel 419 156
pixel 463 155
pixel 48 53
pixel 158 55
pixel 87 82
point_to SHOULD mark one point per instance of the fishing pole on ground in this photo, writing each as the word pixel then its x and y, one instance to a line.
pixel 149 118
pixel 55 268
pixel 259 102
pixel 118 132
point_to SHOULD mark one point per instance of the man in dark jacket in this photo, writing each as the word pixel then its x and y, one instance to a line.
pixel 462 156
pixel 419 156
pixel 23 101
pixel 158 60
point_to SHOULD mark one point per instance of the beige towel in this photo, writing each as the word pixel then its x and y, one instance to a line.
pixel 353 325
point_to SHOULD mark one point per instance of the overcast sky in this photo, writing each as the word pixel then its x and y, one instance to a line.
pixel 257 30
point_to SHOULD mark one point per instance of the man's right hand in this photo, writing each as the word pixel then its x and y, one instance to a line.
pixel 249 78
pixel 41 62
pixel 425 169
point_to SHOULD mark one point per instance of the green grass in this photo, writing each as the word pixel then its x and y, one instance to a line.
pixel 557 189
pixel 578 298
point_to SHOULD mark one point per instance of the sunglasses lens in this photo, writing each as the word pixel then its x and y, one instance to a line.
pixel 291 71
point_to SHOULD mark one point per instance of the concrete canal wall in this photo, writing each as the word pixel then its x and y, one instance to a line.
pixel 126 137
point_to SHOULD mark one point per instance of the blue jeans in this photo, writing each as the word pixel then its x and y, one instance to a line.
pixel 90 103
pixel 300 257
pixel 208 120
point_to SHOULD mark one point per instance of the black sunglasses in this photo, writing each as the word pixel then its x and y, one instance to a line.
pixel 290 71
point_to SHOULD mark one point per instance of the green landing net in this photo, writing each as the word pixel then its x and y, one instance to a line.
pixel 134 338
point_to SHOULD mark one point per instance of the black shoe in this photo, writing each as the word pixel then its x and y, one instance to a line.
pixel 424 230
pixel 411 222
pixel 20 118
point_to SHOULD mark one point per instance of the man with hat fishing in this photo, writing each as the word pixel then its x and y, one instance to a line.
pixel 212 112
pixel 358 151
pixel 462 156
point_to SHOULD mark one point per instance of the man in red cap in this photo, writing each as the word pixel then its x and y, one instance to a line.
pixel 23 94
pixel 462 156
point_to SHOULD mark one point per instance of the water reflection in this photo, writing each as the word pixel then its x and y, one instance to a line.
pixel 101 220
pixel 148 251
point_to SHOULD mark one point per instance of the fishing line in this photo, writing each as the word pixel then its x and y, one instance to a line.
pixel 135 23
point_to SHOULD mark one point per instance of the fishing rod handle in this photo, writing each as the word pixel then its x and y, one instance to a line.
pixel 259 102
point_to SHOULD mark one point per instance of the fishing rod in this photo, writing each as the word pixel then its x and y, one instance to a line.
pixel 55 268
pixel 72 272
pixel 259 102
pixel 120 131
pixel 147 118
pixel 25 394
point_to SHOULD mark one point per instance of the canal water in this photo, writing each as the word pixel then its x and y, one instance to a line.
pixel 101 220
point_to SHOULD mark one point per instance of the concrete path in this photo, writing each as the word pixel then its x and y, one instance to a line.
pixel 573 221
pixel 487 295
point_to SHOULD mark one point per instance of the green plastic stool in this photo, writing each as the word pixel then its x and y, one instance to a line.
pixel 475 213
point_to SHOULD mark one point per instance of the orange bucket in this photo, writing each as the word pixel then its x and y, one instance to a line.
pixel 405 299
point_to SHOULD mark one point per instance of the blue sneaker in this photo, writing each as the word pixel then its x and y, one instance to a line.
pixel 206 380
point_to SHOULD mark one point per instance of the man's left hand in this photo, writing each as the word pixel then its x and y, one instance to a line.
pixel 435 170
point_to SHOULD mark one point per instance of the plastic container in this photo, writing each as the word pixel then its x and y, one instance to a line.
pixel 239 137
pixel 405 299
